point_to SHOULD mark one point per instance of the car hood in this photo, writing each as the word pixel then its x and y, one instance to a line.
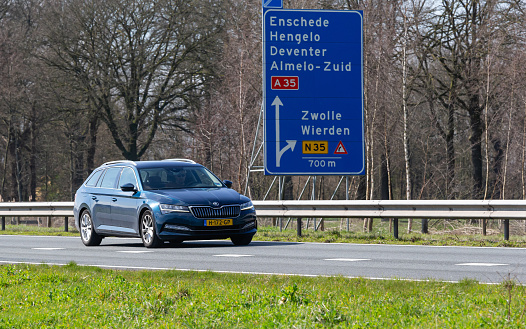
pixel 201 196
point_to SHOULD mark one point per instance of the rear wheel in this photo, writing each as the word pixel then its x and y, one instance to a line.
pixel 241 240
pixel 148 233
pixel 87 231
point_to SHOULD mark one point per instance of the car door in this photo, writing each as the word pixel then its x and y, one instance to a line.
pixel 105 196
pixel 94 199
pixel 125 203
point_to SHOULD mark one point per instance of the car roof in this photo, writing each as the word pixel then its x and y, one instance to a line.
pixel 154 164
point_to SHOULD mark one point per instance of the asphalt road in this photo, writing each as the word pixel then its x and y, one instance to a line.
pixel 489 265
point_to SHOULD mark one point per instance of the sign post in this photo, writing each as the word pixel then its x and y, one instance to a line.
pixel 313 92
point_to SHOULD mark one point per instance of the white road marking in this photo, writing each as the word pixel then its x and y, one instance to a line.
pixel 238 272
pixel 347 259
pixel 134 251
pixel 233 255
pixel 481 264
pixel 48 248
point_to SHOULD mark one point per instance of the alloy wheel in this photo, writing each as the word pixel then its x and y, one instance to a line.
pixel 86 226
pixel 147 228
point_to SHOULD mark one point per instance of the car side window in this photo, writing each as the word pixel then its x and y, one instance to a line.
pixel 92 181
pixel 110 178
pixel 127 176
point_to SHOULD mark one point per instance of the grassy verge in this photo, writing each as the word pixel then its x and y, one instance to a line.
pixel 74 296
pixel 269 233
pixel 332 234
pixel 38 230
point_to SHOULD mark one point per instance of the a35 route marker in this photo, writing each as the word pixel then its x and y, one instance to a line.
pixel 284 83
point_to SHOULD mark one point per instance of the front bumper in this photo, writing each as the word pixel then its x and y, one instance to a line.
pixel 187 227
pixel 179 232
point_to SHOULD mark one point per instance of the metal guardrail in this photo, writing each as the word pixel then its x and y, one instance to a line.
pixel 36 209
pixel 446 209
pixel 421 209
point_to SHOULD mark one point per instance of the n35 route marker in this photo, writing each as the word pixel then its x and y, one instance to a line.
pixel 313 92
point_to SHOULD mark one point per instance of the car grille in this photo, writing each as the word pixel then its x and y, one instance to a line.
pixel 209 212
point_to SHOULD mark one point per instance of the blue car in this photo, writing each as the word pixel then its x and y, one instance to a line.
pixel 170 200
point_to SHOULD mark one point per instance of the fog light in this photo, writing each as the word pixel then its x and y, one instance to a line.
pixel 248 225
pixel 176 227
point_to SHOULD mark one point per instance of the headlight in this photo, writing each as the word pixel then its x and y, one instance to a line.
pixel 247 205
pixel 168 208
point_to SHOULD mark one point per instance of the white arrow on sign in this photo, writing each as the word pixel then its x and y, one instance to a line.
pixel 290 143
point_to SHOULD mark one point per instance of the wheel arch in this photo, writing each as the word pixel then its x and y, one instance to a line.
pixel 143 209
pixel 156 240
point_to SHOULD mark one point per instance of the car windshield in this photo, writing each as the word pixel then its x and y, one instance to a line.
pixel 178 177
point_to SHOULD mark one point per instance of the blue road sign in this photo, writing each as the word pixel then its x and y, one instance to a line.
pixel 313 92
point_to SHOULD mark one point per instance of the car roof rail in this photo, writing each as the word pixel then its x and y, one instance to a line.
pixel 119 161
pixel 181 160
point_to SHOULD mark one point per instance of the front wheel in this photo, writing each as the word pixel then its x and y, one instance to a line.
pixel 241 240
pixel 148 233
pixel 87 231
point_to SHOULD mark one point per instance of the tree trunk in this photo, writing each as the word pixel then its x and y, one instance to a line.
pixel 474 109
pixel 384 181
pixel 497 168
pixel 6 159
pixel 523 158
pixel 16 168
pixel 32 158
pixel 475 115
pixel 407 154
pixel 450 153
pixel 93 127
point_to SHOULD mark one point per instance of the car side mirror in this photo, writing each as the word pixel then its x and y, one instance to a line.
pixel 128 187
pixel 228 183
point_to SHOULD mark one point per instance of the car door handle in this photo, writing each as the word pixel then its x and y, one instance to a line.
pixel 94 197
pixel 114 199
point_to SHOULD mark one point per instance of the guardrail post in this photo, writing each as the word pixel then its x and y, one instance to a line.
pixel 66 224
pixel 425 226
pixel 299 226
pixel 3 223
pixel 506 229
pixel 395 228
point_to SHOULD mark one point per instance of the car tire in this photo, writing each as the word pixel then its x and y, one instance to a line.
pixel 148 232
pixel 241 240
pixel 87 230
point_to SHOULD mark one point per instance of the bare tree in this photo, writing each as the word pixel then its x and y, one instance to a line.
pixel 21 98
pixel 142 64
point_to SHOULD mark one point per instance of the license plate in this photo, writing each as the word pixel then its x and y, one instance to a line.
pixel 218 222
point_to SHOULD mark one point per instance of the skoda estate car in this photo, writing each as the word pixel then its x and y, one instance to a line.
pixel 161 201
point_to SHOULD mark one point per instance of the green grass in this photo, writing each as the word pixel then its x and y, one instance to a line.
pixel 334 233
pixel 83 297
pixel 269 233
pixel 38 230
pixel 74 296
